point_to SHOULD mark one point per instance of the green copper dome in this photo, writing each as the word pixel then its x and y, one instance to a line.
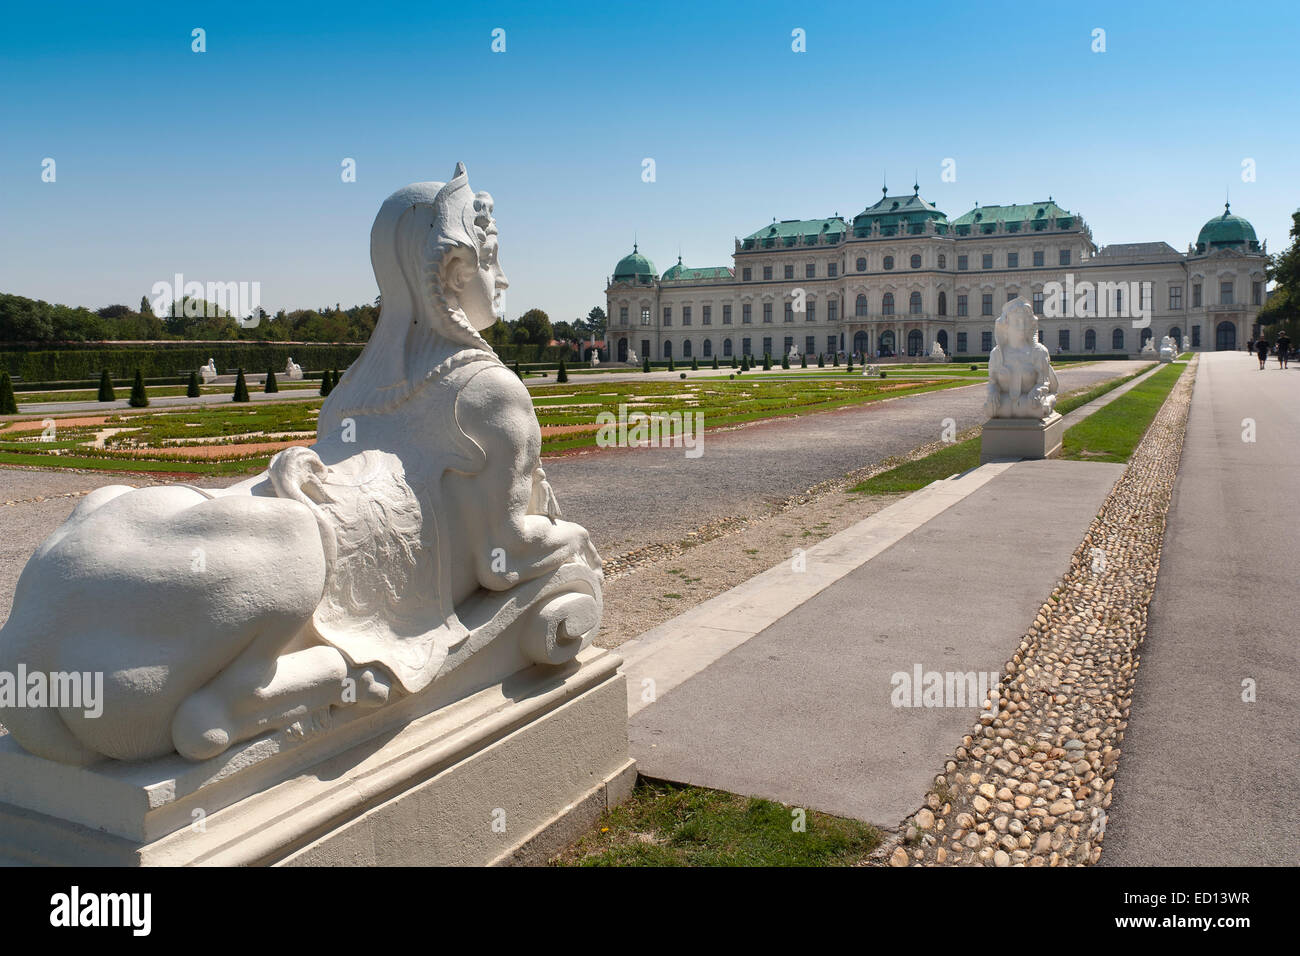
pixel 634 266
pixel 1226 231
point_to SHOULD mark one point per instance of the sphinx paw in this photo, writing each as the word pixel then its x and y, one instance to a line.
pixel 200 729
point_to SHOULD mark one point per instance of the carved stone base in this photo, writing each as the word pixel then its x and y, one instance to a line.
pixel 505 775
pixel 1032 438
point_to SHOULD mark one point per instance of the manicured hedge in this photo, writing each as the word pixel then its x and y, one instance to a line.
pixel 161 360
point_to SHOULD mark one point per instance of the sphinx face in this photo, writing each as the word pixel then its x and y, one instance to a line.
pixel 480 298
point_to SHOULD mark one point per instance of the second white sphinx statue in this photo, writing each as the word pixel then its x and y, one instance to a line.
pixel 416 531
pixel 1022 383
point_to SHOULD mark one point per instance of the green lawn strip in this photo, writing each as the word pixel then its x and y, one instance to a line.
pixel 210 468
pixel 664 824
pixel 1111 433
pixel 963 456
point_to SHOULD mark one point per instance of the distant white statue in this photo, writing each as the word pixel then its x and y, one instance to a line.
pixel 208 372
pixel 793 355
pixel 416 534
pixel 1149 348
pixel 632 358
pixel 1022 383
pixel 1168 349
pixel 936 350
pixel 595 358
pixel 292 369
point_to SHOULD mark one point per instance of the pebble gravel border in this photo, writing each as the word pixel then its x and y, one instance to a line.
pixel 1031 783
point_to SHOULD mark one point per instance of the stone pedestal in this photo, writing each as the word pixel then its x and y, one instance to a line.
pixel 508 774
pixel 1032 438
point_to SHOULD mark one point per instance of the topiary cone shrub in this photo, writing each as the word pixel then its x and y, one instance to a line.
pixel 803 361
pixel 517 372
pixel 645 363
pixel 671 366
pixel 271 384
pixel 563 374
pixel 821 359
pixel 241 388
pixel 835 356
pixel 139 397
pixel 734 363
pixel 695 365
pixel 9 404
pixel 785 360
pixel 848 364
pixel 106 393
pixel 192 389
pixel 767 361
pixel 715 361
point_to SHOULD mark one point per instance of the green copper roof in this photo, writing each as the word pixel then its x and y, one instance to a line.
pixel 683 273
pixel 1226 230
pixel 793 232
pixel 1029 217
pixel 893 214
pixel 634 265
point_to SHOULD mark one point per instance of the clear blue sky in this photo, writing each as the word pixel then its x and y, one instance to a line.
pixel 225 165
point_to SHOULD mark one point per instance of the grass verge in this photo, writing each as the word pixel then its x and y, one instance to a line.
pixel 965 455
pixel 1111 433
pixel 665 824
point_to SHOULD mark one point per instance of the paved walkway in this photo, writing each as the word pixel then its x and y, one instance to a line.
pixel 771 691
pixel 1207 779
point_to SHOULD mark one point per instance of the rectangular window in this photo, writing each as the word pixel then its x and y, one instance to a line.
pixel 1063 340
pixel 812 312
pixel 810 271
pixel 1038 259
pixel 986 261
pixel 767 273
pixel 746 314
pixel 986 341
pixel 1011 295
pixel 1256 293
pixel 1225 293
pixel 706 315
pixel 789 272
pixel 668 315
pixel 830 344
pixel 789 311
pixel 1065 257
pixel 963 308
pixel 645 346
pixel 1013 260
pixel 961 341
pixel 622 315
pixel 986 307
pixel 809 345
pixel 767 312
pixel 1196 336
pixel 767 345
pixel 645 316
pixel 747 274
pixel 745 347
pixel 963 263
pixel 1176 297
pixel 832 310
pixel 832 269
pixel 1038 303
pixel 1196 295
pixel 789 344
pixel 686 315
pixel 726 315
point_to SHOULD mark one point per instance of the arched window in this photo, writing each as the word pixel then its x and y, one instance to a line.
pixel 943 305
pixel 686 349
pixel 862 264
pixel 887 342
pixel 726 348
pixel 1146 337
pixel 914 303
pixel 942 339
pixel 1225 337
pixel 887 304
pixel 668 350
pixel 860 307
pixel 1090 341
pixel 943 261
pixel 860 342
pixel 708 348
pixel 1117 340
pixel 914 342
pixel 916 261
pixel 889 262
pixel 1177 335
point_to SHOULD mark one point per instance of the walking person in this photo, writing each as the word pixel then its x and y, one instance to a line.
pixel 1261 349
pixel 1283 347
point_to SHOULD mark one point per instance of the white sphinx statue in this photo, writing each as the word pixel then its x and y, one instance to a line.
pixel 208 372
pixel 632 357
pixel 937 352
pixel 292 369
pixel 417 531
pixel 1022 383
pixel 1168 349
pixel 1149 348
pixel 793 354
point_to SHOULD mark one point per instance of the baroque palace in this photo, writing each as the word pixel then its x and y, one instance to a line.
pixel 901 277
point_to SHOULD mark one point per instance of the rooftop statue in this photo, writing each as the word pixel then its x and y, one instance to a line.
pixel 1022 383
pixel 416 531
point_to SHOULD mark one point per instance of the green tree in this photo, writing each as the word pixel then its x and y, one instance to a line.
pixel 106 393
pixel 139 397
pixel 8 404
pixel 241 388
pixel 1283 305
pixel 145 308
pixel 595 323
pixel 271 384
pixel 537 325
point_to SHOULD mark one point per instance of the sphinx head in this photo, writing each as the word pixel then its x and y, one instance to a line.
pixel 1017 326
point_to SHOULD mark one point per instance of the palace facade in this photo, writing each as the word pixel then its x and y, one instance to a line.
pixel 900 276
